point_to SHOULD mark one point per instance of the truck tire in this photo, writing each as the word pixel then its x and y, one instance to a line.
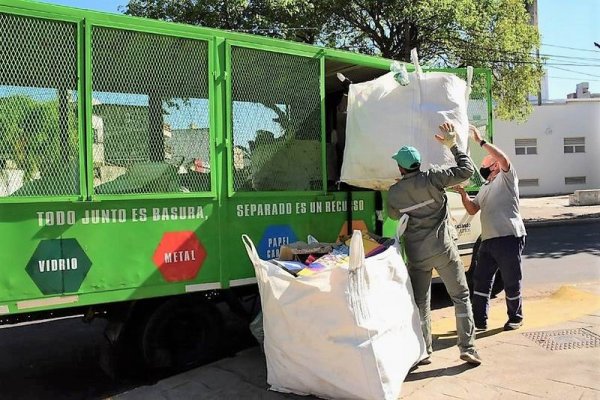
pixel 497 286
pixel 181 333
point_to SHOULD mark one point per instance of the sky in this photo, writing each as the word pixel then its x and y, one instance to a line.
pixel 569 29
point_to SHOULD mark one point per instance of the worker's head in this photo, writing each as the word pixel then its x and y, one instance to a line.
pixel 408 159
pixel 489 167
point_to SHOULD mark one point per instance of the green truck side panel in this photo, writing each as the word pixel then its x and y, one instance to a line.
pixel 118 239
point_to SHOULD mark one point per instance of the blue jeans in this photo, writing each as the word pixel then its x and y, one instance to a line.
pixel 504 254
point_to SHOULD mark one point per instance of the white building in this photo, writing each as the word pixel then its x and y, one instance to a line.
pixel 557 151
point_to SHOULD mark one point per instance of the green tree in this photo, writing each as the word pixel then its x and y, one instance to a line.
pixel 30 136
pixel 495 34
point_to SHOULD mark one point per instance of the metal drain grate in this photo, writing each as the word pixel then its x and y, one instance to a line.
pixel 565 339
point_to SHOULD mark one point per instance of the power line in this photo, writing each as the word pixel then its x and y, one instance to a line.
pixel 276 29
pixel 465 44
pixel 279 28
pixel 576 72
pixel 567 64
pixel 570 48
pixel 572 79
pixel 568 57
pixel 546 64
pixel 484 36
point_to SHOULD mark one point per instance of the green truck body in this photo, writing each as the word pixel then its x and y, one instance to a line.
pixel 135 153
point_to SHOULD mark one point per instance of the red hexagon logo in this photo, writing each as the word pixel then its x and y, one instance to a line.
pixel 179 256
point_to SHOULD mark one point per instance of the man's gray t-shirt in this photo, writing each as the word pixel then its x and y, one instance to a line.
pixel 499 204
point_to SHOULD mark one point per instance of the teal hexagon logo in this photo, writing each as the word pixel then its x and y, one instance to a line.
pixel 58 266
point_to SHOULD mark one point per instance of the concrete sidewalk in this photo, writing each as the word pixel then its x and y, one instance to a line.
pixel 555 210
pixel 555 355
pixel 548 358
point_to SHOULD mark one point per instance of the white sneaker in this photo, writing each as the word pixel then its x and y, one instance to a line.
pixel 471 357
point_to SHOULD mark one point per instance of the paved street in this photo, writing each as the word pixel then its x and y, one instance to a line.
pixel 567 253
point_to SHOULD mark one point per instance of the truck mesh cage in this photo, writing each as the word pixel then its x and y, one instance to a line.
pixel 276 121
pixel 150 113
pixel 39 143
pixel 478 113
pixel 149 131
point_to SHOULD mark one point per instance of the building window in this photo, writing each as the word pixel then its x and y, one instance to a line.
pixel 525 146
pixel 574 145
pixel 575 180
pixel 529 182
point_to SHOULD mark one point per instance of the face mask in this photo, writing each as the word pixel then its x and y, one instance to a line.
pixel 485 172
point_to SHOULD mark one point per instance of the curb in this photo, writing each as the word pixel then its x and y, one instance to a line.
pixel 561 221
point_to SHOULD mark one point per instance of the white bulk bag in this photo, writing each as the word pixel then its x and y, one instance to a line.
pixel 344 333
pixel 384 116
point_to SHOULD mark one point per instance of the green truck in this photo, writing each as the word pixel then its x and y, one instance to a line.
pixel 135 153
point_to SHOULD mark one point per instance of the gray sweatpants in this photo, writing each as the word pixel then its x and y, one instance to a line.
pixel 452 272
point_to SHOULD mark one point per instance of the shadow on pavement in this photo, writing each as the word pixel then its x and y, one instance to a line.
pixel 433 373
pixel 488 333
pixel 547 242
pixel 447 340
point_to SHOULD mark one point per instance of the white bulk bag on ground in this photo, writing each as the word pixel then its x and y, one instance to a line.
pixel 344 333
pixel 384 116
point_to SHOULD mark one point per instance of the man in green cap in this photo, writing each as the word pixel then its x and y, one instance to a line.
pixel 428 238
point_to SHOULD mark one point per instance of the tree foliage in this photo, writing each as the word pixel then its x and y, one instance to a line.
pixel 494 34
pixel 30 135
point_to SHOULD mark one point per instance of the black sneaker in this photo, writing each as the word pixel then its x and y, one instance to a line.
pixel 480 327
pixel 471 357
pixel 425 361
pixel 512 326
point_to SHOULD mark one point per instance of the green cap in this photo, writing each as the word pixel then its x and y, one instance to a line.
pixel 407 157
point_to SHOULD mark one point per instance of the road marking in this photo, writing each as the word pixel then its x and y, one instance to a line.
pixel 566 304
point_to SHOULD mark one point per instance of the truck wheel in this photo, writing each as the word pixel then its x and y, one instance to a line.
pixel 497 286
pixel 181 333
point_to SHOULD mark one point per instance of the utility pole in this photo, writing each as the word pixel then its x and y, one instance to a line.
pixel 532 9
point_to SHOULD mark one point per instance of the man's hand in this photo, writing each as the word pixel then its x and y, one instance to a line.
pixel 449 138
pixel 476 134
pixel 471 207
pixel 458 189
